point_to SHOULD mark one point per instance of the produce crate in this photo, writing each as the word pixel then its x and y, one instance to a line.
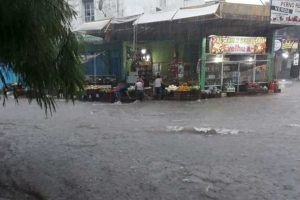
pixel 194 95
pixel 107 97
pixel 168 95
pixel 149 92
pixel 131 94
pixel 169 98
pixel 278 91
pixel 262 91
pixel 91 95
pixel 184 96
pixel 231 94
pixel 177 95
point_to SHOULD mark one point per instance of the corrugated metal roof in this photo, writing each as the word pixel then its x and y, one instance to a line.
pixel 177 14
pixel 93 26
pixel 196 12
pixel 156 17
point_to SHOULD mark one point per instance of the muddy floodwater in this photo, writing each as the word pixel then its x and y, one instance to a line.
pixel 239 148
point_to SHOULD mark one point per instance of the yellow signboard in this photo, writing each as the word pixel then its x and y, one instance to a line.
pixel 290 44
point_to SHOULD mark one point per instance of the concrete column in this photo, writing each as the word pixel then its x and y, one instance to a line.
pixel 203 62
pixel 271 54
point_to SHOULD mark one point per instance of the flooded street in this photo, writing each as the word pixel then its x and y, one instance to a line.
pixel 153 150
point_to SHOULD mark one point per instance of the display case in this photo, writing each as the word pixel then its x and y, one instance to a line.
pixel 230 73
pixel 246 73
pixel 235 69
pixel 261 72
pixel 213 74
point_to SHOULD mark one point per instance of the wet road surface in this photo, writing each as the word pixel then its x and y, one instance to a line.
pixel 153 150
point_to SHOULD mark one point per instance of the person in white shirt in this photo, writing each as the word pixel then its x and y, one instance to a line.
pixel 139 89
pixel 157 86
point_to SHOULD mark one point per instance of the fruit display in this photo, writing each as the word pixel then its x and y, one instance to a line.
pixel 97 93
pixel 92 87
pixel 171 88
pixel 195 88
pixel 131 88
pixel 97 88
pixel 184 88
pixel 107 90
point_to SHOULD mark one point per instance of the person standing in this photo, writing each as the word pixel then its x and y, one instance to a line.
pixel 121 90
pixel 139 89
pixel 158 86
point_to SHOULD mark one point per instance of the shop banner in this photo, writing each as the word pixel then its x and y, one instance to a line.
pixel 289 44
pixel 237 45
pixel 285 12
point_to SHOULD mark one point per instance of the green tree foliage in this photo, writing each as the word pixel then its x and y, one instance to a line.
pixel 37 43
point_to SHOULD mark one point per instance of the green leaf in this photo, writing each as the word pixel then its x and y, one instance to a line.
pixel 38 45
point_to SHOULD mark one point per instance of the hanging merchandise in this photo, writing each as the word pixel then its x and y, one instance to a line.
pixel 156 69
pixel 296 59
pixel 174 70
pixel 142 64
pixel 180 71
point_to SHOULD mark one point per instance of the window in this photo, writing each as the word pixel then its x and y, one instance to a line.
pixel 89 11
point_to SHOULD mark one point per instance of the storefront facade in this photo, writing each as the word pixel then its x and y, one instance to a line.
pixel 244 56
pixel 234 60
pixel 286 57
pixel 212 46
pixel 175 61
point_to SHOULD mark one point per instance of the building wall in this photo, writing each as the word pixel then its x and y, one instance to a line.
pixel 121 8
pixel 109 59
pixel 162 51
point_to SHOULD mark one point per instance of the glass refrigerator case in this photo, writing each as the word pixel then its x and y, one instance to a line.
pixel 235 69
pixel 230 73
pixel 213 74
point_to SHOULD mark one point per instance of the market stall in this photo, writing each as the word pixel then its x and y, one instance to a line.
pixel 99 88
pixel 141 65
pixel 235 63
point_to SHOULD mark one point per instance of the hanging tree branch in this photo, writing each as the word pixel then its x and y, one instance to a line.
pixel 40 48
